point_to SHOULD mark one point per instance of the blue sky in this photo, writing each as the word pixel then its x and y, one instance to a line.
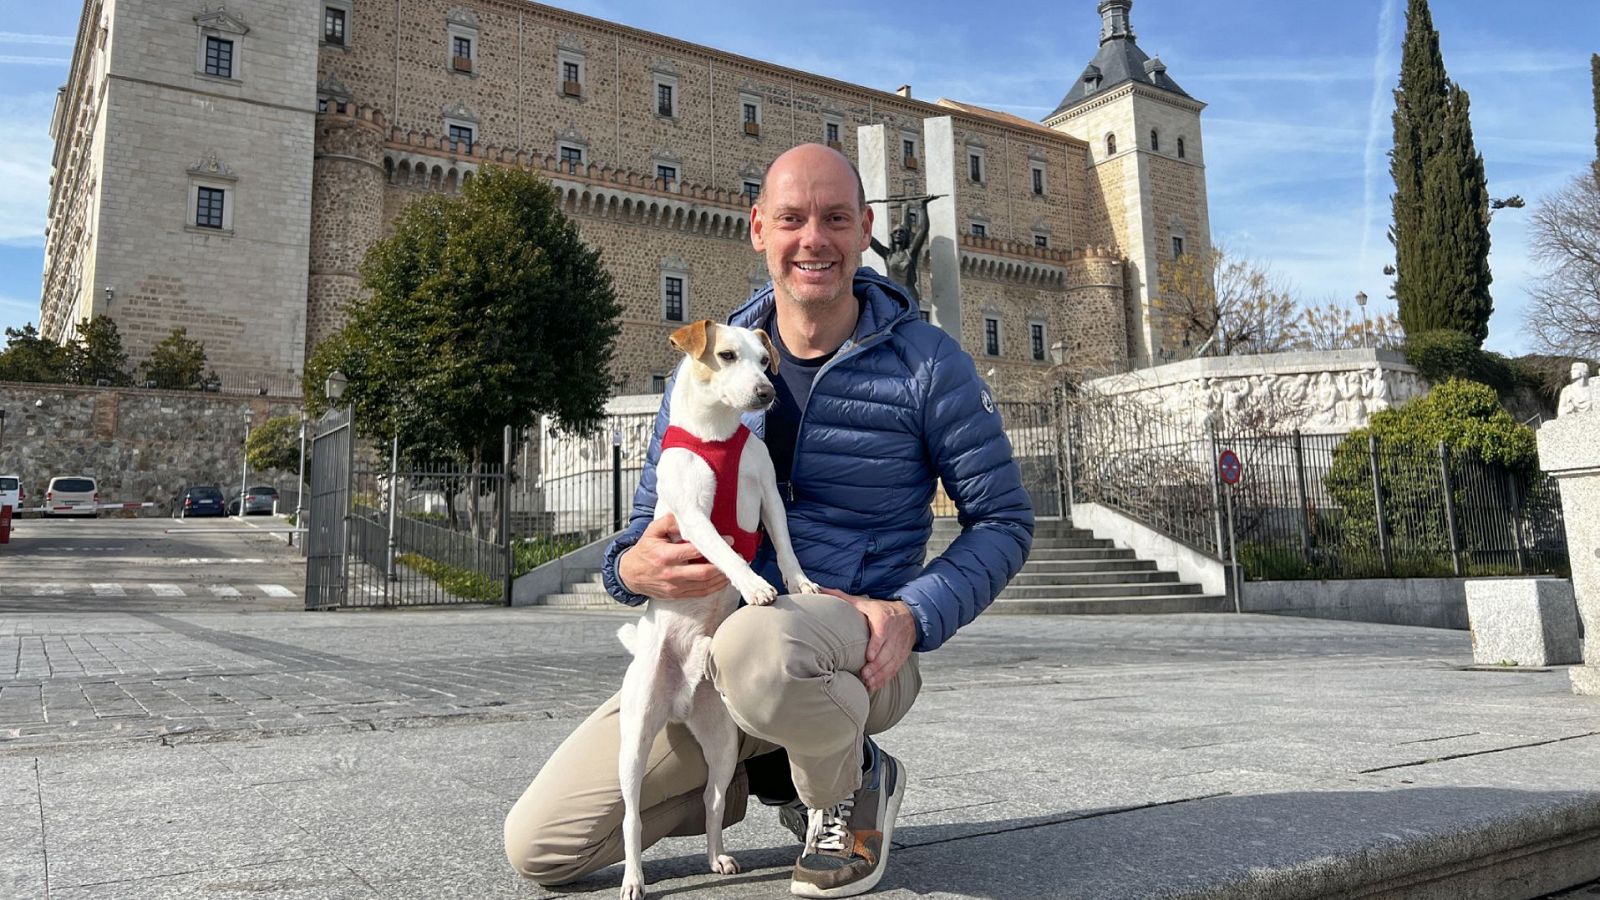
pixel 1296 130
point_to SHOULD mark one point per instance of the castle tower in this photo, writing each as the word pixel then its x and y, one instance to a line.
pixel 347 200
pixel 1147 164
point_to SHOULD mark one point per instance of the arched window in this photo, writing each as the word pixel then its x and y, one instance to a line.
pixel 1155 139
pixel 1180 148
pixel 1111 145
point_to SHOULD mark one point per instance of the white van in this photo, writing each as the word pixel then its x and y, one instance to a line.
pixel 11 493
pixel 72 495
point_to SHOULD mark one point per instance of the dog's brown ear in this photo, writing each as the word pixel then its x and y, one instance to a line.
pixel 772 352
pixel 692 338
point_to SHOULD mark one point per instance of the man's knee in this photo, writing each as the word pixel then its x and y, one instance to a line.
pixel 757 660
pixel 539 847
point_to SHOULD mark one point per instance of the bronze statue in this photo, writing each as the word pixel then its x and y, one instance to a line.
pixel 905 250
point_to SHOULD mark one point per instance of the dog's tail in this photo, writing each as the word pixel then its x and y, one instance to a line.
pixel 628 635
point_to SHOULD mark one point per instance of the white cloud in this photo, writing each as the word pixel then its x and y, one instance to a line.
pixel 54 40
pixel 25 169
pixel 8 60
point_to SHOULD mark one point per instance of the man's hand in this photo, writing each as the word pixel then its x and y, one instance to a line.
pixel 891 633
pixel 665 566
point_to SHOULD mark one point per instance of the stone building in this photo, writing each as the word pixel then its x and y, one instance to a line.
pixel 225 169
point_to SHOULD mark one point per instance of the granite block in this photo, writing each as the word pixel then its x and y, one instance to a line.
pixel 1523 621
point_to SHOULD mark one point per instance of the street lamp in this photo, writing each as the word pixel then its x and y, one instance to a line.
pixel 244 463
pixel 300 480
pixel 1361 301
pixel 334 386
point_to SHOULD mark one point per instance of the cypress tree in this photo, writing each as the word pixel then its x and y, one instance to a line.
pixel 1441 199
pixel 1594 75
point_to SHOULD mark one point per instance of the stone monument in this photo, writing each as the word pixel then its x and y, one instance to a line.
pixel 1568 450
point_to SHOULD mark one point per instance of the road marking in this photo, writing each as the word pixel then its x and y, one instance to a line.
pixel 167 590
pixel 222 590
pixel 108 590
pixel 48 590
pixel 147 560
pixel 275 590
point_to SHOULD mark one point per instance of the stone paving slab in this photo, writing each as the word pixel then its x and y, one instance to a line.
pixel 376 754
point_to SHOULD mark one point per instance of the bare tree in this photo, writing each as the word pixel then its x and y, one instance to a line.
pixel 1235 304
pixel 1564 316
pixel 1333 326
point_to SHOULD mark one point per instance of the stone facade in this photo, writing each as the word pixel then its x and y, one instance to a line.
pixel 140 445
pixel 652 141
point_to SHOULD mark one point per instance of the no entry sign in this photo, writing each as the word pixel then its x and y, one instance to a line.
pixel 1229 467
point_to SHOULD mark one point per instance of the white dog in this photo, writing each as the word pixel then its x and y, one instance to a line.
pixel 723 375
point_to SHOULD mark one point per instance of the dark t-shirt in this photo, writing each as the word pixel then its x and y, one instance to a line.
pixel 793 387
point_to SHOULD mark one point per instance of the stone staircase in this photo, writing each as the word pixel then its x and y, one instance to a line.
pixel 1070 571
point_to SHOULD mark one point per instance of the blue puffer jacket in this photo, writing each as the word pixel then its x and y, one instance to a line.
pixel 899 404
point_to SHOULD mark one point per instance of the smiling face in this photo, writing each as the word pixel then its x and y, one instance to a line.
pixel 812 226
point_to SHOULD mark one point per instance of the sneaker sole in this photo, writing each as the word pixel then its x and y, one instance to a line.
pixel 802 889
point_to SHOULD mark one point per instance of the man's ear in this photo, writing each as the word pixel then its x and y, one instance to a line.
pixel 772 352
pixel 692 338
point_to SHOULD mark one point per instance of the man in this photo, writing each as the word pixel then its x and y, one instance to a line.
pixel 874 405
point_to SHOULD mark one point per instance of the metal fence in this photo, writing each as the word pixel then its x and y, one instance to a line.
pixel 1035 434
pixel 578 488
pixel 1322 506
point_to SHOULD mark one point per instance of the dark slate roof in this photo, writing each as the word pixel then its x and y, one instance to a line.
pixel 1119 60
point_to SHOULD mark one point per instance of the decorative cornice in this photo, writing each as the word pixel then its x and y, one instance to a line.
pixel 570 42
pixel 461 111
pixel 220 19
pixel 463 17
pixel 209 164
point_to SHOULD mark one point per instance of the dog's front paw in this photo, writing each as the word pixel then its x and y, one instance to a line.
pixel 724 865
pixel 756 591
pixel 798 583
pixel 632 889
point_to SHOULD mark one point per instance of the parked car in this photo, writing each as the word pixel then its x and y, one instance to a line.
pixel 72 495
pixel 199 500
pixel 260 500
pixel 11 492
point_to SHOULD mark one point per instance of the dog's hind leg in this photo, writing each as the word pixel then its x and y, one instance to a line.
pixel 644 711
pixel 718 737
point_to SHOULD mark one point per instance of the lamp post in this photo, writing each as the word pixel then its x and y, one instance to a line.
pixel 300 480
pixel 244 463
pixel 1361 301
pixel 334 386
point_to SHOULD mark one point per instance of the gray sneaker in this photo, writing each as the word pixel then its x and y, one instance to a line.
pixel 847 847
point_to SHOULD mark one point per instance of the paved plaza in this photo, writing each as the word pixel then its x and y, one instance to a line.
pixel 231 747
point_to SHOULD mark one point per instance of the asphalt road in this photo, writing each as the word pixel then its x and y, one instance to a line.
pixel 105 564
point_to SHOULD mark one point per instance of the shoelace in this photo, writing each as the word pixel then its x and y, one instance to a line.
pixel 829 829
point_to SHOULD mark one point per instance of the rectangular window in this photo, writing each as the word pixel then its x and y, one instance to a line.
pixel 462 47
pixel 831 132
pixel 664 99
pixel 219 57
pixel 752 190
pixel 571 157
pixel 1040 240
pixel 1038 181
pixel 461 138
pixel 669 174
pixel 208 207
pixel 658 384
pixel 750 113
pixel 925 315
pixel 974 167
pixel 991 336
pixel 980 230
pixel 333 25
pixel 908 149
pixel 1036 340
pixel 569 72
pixel 1177 247
pixel 672 298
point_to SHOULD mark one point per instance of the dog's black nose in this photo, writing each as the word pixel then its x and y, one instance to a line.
pixel 764 394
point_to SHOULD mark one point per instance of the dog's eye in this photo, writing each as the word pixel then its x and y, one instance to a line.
pixel 727 355
pixel 765 360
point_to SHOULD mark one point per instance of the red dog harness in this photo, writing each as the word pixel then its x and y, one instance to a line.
pixel 723 458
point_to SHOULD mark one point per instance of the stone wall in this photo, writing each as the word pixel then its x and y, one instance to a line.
pixel 140 445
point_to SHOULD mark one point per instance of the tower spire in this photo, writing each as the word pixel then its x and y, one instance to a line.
pixel 1114 22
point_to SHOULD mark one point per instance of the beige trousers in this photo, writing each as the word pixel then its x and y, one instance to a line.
pixel 787 672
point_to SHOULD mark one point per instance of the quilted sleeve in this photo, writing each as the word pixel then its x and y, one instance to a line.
pixel 970 451
pixel 644 509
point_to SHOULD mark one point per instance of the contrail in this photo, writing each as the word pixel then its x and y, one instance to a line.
pixel 1381 73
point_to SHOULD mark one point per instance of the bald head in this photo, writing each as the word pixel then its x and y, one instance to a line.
pixel 804 157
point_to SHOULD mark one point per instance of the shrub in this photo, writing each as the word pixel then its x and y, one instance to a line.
pixel 1468 419
pixel 1442 355
pixel 529 554
pixel 460 582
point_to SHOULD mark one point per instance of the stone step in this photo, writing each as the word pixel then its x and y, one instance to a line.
pixel 1070 543
pixel 948 529
pixel 1076 553
pixel 1123 589
pixel 1117 564
pixel 585 600
pixel 1159 604
pixel 1066 579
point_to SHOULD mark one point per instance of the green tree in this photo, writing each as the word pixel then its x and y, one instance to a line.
pixel 1441 198
pixel 275 444
pixel 485 310
pixel 96 356
pixel 177 363
pixel 29 357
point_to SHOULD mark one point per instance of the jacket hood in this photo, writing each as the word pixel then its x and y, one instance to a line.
pixel 885 304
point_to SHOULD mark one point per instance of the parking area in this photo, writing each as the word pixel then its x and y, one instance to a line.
pixel 60 564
